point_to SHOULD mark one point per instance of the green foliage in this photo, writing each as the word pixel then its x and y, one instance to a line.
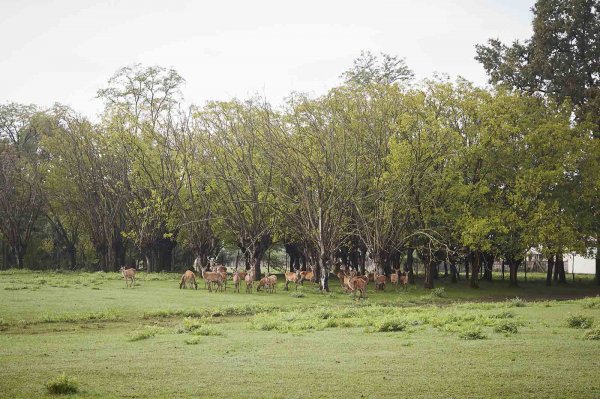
pixel 471 333
pixel 391 323
pixel 593 334
pixel 62 385
pixel 515 302
pixel 144 333
pixel 506 327
pixel 439 292
pixel 580 321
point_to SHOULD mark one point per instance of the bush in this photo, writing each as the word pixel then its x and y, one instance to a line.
pixel 506 327
pixel 438 292
pixel 470 333
pixel 516 302
pixel 391 323
pixel 297 295
pixel 147 332
pixel 580 321
pixel 591 303
pixel 593 334
pixel 207 331
pixel 193 340
pixel 62 385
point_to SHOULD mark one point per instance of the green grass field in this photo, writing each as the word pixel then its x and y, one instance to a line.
pixel 155 340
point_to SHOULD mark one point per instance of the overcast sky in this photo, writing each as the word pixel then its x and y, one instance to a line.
pixel 65 50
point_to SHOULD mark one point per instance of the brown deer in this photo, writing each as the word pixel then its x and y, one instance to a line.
pixel 249 280
pixel 273 282
pixel 394 278
pixel 403 279
pixel 307 275
pixel 380 282
pixel 358 284
pixel 188 280
pixel 236 281
pixel 128 275
pixel 264 282
pixel 212 278
pixel 292 277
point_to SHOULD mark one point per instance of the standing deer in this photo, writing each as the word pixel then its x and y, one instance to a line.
pixel 358 284
pixel 292 277
pixel 188 280
pixel 128 275
pixel 212 278
pixel 236 282
pixel 307 275
pixel 380 282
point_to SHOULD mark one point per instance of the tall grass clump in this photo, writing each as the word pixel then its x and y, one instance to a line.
pixel 471 333
pixel 593 334
pixel 62 385
pixel 516 302
pixel 145 333
pixel 391 323
pixel 591 303
pixel 439 292
pixel 506 327
pixel 580 321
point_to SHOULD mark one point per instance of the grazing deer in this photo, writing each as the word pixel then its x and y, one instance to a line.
pixel 358 284
pixel 236 281
pixel 292 277
pixel 188 280
pixel 380 282
pixel 128 275
pixel 263 282
pixel 212 278
pixel 242 275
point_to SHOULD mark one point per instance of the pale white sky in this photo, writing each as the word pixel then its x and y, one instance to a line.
pixel 65 50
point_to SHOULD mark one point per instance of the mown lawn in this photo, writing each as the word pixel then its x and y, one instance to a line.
pixel 158 341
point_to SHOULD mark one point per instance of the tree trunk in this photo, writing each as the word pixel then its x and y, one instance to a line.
pixel 513 266
pixel 72 252
pixel 488 266
pixel 467 266
pixel 502 269
pixel 429 266
pixel 476 264
pixel 560 267
pixel 445 270
pixel 550 270
pixel 598 261
pixel 409 266
pixel 453 273
pixel 20 251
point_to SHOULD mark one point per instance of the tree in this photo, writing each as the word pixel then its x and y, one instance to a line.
pixel 386 70
pixel 561 61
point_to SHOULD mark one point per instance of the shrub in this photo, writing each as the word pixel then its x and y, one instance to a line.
pixel 591 303
pixel 191 324
pixel 505 314
pixel 593 334
pixel 439 292
pixel 471 333
pixel 580 321
pixel 62 385
pixel 193 340
pixel 516 302
pixel 147 332
pixel 207 331
pixel 391 324
pixel 506 327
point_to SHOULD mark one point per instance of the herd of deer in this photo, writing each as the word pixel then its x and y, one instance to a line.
pixel 350 281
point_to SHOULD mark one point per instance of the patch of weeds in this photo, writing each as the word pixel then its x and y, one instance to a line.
pixel 439 292
pixel 16 287
pixel 591 303
pixel 391 323
pixel 207 331
pixel 580 321
pixel 505 314
pixel 166 313
pixel 506 327
pixel 471 333
pixel 593 334
pixel 516 302
pixel 191 324
pixel 195 340
pixel 62 385
pixel 3 325
pixel 145 333
pixel 298 294
pixel 406 344
pixel 107 315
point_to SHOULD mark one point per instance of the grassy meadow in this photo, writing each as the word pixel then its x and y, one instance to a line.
pixel 155 340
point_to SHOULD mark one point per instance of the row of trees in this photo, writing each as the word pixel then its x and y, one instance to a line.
pixel 379 168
